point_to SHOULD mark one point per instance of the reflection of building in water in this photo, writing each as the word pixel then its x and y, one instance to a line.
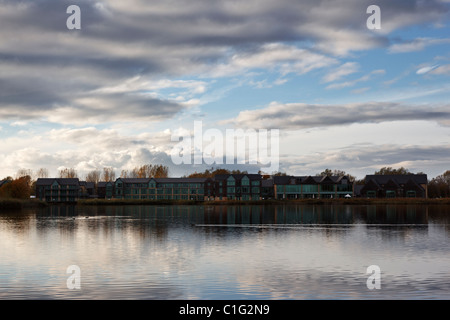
pixel 396 214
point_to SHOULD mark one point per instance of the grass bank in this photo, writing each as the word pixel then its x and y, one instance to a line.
pixel 18 204
pixel 353 201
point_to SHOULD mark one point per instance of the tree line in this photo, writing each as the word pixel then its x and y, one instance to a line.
pixel 23 185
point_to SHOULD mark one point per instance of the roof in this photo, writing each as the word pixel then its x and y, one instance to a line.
pixel 60 181
pixel 398 178
pixel 102 184
pixel 251 176
pixel 181 180
pixel 307 179
pixel 267 183
pixel 164 180
pixel 87 184
pixel 134 180
pixel 2 182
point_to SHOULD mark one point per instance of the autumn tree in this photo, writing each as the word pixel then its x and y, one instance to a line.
pixel 146 171
pixel 439 187
pixel 124 174
pixel 19 188
pixel 109 174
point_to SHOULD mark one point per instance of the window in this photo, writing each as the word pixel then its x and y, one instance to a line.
pixel 310 188
pixel 327 187
pixel 245 181
pixel 390 194
pixel 371 194
pixel 410 194
pixel 231 190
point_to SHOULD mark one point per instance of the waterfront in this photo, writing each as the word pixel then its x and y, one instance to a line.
pixel 292 251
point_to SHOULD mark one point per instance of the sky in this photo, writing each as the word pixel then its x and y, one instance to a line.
pixel 138 73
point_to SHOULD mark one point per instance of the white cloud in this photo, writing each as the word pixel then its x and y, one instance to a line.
pixel 342 71
pixel 300 115
pixel 351 83
pixel 426 69
pixel 418 44
pixel 277 57
pixel 441 70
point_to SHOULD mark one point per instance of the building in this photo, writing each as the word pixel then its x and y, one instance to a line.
pixel 105 190
pixel 87 190
pixel 395 186
pixel 267 189
pixel 237 187
pixel 58 190
pixel 160 188
pixel 3 182
pixel 242 187
pixel 312 187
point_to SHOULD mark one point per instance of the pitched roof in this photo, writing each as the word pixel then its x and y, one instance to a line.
pixel 164 180
pixel 307 179
pixel 251 176
pixel 135 180
pixel 181 180
pixel 398 178
pixel 87 184
pixel 60 181
pixel 102 184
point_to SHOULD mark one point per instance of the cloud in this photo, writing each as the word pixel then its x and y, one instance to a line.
pixel 283 58
pixel 342 71
pixel 441 70
pixel 351 83
pixel 365 159
pixel 55 74
pixel 418 44
pixel 301 116
pixel 426 69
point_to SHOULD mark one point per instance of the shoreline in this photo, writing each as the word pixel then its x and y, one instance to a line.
pixel 11 204
pixel 354 201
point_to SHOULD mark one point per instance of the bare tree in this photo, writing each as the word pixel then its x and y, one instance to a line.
pixel 68 173
pixel 93 176
pixel 24 173
pixel 42 173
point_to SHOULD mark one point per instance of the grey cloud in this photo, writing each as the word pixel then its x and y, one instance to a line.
pixel 300 116
pixel 363 159
pixel 119 40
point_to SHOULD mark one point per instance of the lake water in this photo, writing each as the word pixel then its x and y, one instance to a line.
pixel 226 252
